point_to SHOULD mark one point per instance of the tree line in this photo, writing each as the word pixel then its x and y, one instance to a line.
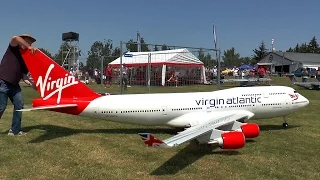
pixel 311 47
pixel 108 52
pixel 101 50
pixel 231 58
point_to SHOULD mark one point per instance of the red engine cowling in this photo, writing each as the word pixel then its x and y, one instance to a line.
pixel 250 130
pixel 232 140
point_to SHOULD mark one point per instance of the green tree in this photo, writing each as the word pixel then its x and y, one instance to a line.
pixel 231 58
pixel 246 60
pixel 201 55
pixel 304 48
pixel 144 46
pixel 94 55
pixel 156 48
pixel 132 46
pixel 81 65
pixel 116 53
pixel 297 48
pixel 164 47
pixel 260 53
pixel 290 50
pixel 62 53
pixel 46 52
pixel 313 46
pixel 209 61
pixel 102 50
pixel 206 58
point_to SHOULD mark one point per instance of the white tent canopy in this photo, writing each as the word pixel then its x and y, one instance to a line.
pixel 163 57
pixel 181 57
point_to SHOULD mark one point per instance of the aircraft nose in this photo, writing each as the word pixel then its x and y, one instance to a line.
pixel 305 101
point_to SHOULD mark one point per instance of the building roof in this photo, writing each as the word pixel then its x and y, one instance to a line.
pixel 300 57
pixel 176 56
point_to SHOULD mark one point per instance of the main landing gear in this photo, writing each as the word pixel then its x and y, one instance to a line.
pixel 284 124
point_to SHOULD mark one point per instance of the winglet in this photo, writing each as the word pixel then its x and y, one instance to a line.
pixel 150 140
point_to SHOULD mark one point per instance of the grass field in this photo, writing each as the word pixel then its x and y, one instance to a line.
pixel 60 146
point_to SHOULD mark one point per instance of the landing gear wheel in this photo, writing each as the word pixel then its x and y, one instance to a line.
pixel 285 125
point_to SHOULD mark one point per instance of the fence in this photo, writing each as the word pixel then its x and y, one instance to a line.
pixel 162 66
pixel 157 67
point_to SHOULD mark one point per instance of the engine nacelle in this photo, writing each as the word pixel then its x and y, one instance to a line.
pixel 250 130
pixel 232 140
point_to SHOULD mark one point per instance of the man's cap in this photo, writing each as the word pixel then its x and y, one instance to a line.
pixel 28 36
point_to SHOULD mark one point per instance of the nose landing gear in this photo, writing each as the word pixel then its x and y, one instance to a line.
pixel 284 124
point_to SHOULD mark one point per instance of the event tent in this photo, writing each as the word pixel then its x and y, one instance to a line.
pixel 246 66
pixel 176 57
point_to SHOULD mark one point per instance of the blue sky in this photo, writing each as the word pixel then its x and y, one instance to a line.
pixel 240 24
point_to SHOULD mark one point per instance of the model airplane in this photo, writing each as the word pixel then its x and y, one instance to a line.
pixel 307 85
pixel 252 81
pixel 218 117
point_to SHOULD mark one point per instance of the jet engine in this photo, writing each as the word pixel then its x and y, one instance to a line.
pixel 231 140
pixel 250 130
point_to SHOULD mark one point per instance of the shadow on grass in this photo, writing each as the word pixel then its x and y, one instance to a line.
pixel 184 158
pixel 275 127
pixel 192 153
pixel 53 132
pixel 250 141
pixel 188 156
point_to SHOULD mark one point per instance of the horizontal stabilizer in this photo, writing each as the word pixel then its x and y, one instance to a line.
pixel 50 107
pixel 150 140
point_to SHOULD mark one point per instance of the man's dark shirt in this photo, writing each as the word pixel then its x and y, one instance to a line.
pixel 12 66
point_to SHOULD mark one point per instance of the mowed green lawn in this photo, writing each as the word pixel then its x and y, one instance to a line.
pixel 60 146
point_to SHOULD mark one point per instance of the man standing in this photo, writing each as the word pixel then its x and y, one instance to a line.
pixel 124 76
pixel 305 74
pixel 12 70
pixel 108 76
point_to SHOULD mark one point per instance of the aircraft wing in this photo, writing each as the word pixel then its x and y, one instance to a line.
pixel 264 79
pixel 50 107
pixel 234 80
pixel 303 84
pixel 207 131
pixel 246 80
pixel 308 85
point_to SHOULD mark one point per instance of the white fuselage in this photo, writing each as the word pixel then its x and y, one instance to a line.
pixel 166 109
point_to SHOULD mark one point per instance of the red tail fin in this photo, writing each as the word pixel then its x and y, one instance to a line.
pixel 53 81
